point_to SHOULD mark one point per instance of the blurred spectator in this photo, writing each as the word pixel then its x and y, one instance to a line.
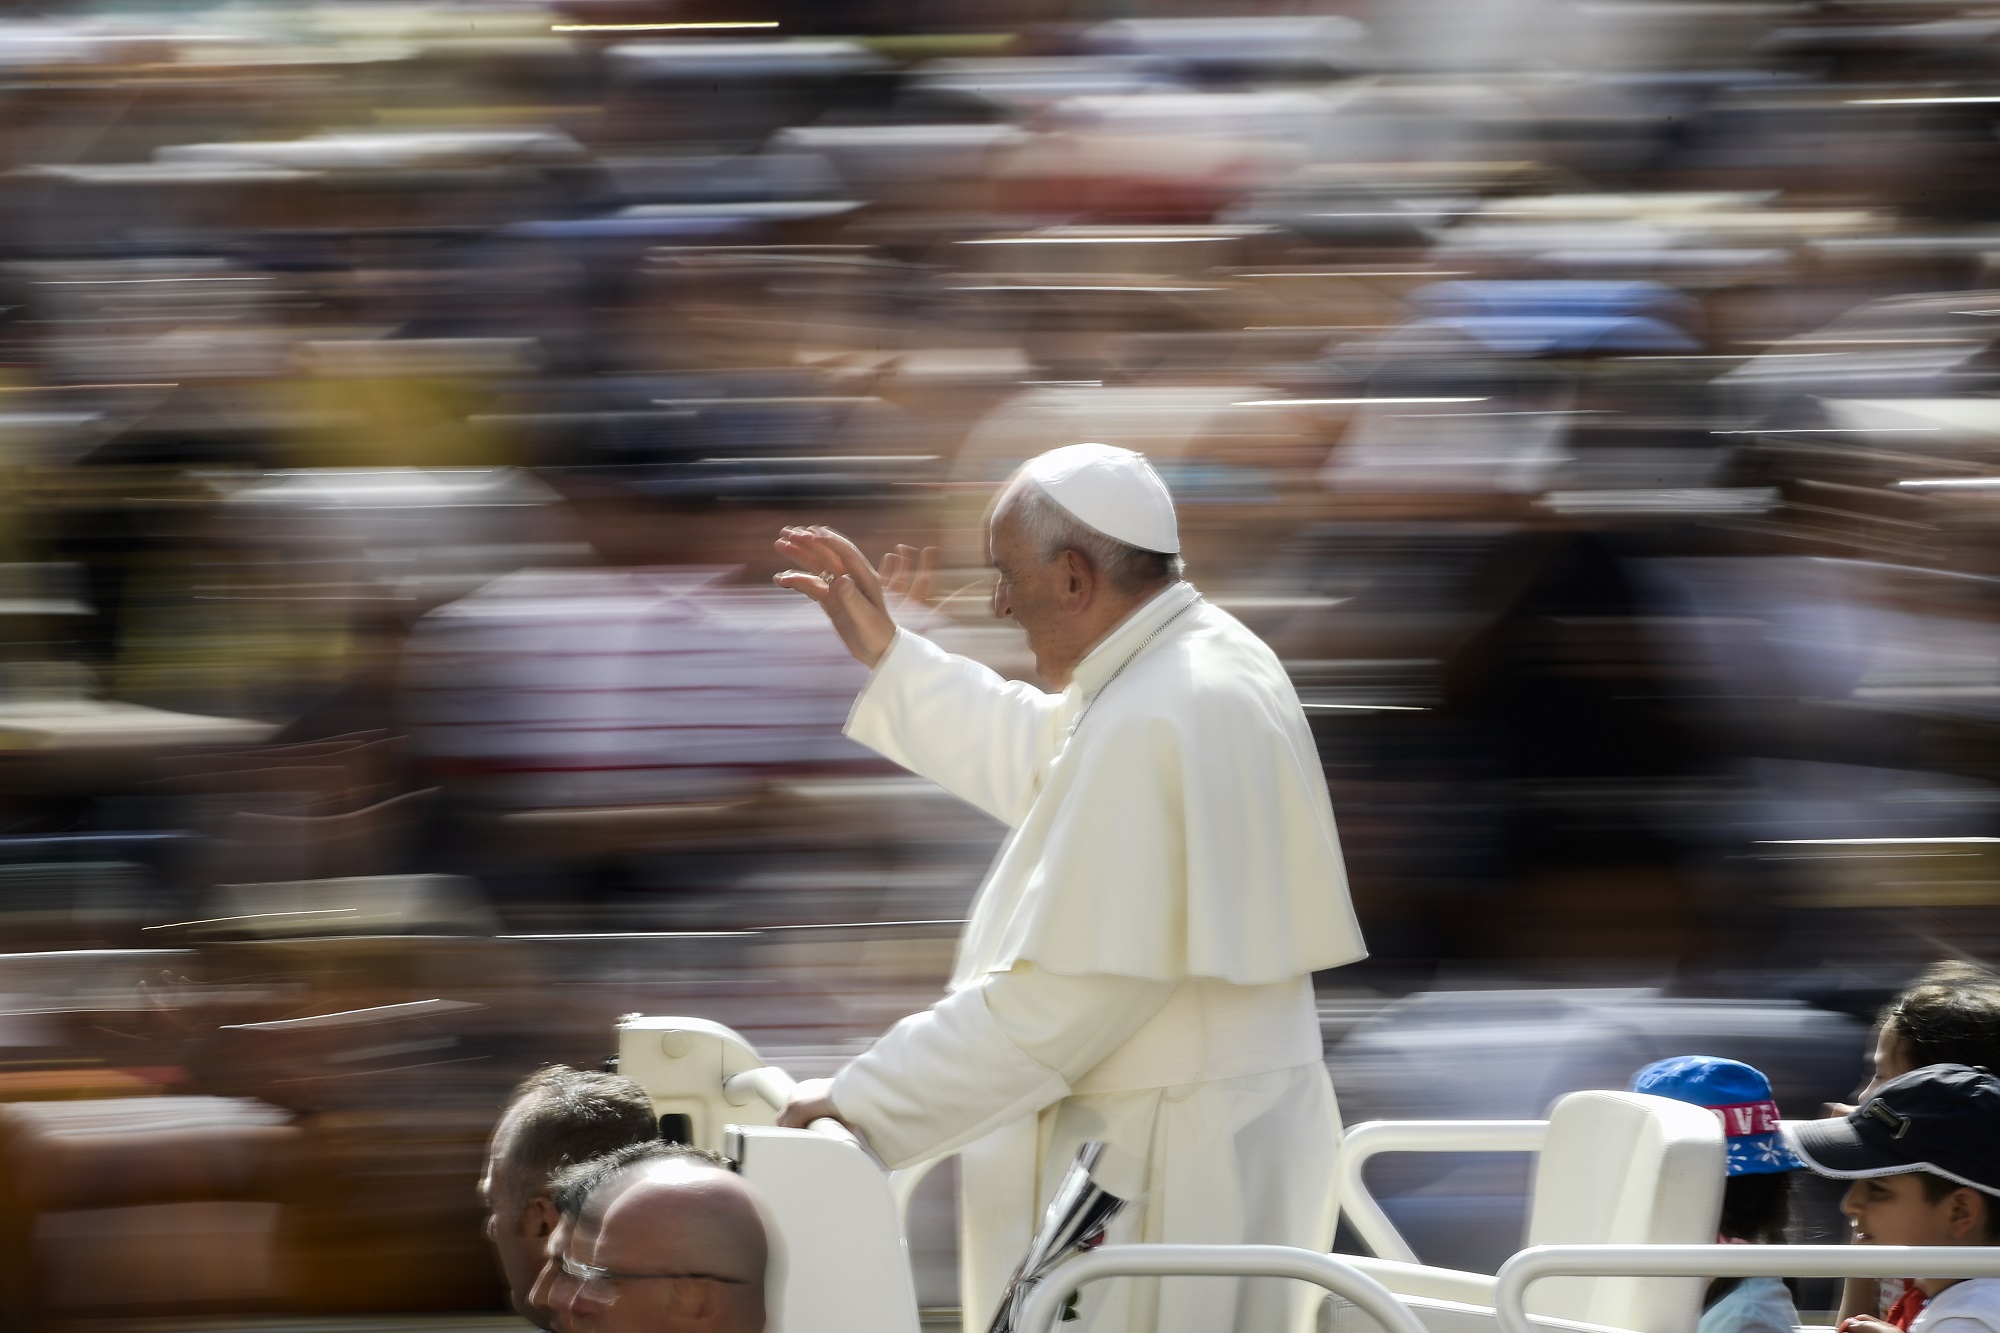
pixel 1596 408
pixel 558 1116
pixel 608 687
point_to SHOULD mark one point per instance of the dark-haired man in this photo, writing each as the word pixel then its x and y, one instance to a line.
pixel 556 1116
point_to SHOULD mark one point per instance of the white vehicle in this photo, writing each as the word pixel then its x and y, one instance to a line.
pixel 1627 1193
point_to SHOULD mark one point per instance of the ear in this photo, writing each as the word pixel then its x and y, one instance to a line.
pixel 700 1304
pixel 1079 580
pixel 1973 1217
pixel 539 1217
pixel 1964 1216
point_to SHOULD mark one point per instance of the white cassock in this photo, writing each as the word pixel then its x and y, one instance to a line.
pixel 1137 964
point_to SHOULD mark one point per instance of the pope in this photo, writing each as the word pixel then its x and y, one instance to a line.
pixel 1137 965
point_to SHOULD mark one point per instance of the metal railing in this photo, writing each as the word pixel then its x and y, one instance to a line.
pixel 1364 1141
pixel 1711 1261
pixel 1044 1306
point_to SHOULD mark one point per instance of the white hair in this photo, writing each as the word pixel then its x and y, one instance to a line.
pixel 1051 530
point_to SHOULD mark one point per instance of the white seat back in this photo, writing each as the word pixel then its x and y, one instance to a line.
pixel 845 1267
pixel 1624 1168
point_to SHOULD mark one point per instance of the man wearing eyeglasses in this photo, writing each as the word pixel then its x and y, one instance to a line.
pixel 666 1242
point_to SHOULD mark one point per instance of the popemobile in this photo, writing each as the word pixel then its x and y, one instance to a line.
pixel 1626 1199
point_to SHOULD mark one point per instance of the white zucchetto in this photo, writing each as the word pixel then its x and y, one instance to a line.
pixel 1112 490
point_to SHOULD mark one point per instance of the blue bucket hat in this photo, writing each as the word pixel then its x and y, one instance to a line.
pixel 1739 1095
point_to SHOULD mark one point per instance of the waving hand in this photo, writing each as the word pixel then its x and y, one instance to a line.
pixel 831 570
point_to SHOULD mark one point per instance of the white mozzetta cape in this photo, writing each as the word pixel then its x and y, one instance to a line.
pixel 1183 831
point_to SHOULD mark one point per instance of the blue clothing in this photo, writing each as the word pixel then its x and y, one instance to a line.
pixel 1755 1305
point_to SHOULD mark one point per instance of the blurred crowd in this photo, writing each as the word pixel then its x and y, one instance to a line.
pixel 1593 402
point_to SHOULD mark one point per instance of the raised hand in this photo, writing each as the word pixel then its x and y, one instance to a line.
pixel 831 570
pixel 906 577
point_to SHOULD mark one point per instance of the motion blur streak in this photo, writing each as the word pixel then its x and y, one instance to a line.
pixel 1595 404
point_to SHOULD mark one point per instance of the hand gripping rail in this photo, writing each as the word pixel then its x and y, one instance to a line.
pixel 775 1086
pixel 1532 1265
pixel 1364 1141
pixel 1045 1304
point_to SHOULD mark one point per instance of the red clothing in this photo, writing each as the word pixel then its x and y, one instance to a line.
pixel 1907 1306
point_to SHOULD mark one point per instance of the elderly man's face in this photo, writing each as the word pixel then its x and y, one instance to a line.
pixel 1031 591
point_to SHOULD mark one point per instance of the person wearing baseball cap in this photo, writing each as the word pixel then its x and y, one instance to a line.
pixel 1924 1155
pixel 1756 1200
pixel 1948 1015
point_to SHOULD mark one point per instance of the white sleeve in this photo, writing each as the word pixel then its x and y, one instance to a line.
pixel 981 737
pixel 1070 1023
pixel 985 1056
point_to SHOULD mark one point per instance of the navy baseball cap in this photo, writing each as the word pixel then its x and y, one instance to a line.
pixel 1944 1119
pixel 1740 1096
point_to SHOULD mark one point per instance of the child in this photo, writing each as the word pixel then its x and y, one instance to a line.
pixel 1924 1155
pixel 1756 1198
pixel 1949 1015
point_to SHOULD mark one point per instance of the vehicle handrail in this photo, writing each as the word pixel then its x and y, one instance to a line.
pixel 1368 1139
pixel 771 1083
pixel 775 1086
pixel 1045 1303
pixel 1531 1265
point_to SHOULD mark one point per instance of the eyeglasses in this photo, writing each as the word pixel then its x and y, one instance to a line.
pixel 601 1284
